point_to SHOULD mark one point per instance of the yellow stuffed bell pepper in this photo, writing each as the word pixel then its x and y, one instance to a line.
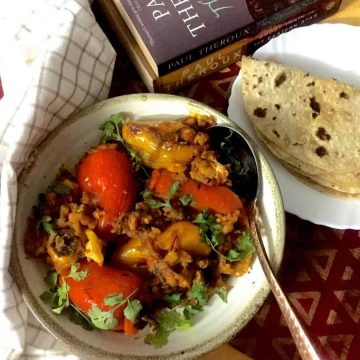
pixel 157 145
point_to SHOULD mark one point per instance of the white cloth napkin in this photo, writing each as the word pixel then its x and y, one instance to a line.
pixel 54 60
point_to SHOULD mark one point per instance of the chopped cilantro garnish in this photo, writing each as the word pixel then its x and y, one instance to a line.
pixel 77 275
pixel 58 299
pixel 210 230
pixel 48 297
pixel 158 204
pixel 114 299
pixel 45 223
pixel 211 234
pixel 105 320
pixel 51 279
pixel 197 299
pixel 168 321
pixel 111 129
pixel 199 292
pixel 174 298
pixel 174 188
pixel 132 310
pixel 187 200
pixel 58 296
pixel 150 201
pixel 222 293
pixel 243 248
pixel 190 310
pixel 62 295
pixel 159 338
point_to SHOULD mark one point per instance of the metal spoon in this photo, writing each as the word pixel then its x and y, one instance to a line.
pixel 235 148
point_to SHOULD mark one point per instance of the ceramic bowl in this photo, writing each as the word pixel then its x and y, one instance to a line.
pixel 220 321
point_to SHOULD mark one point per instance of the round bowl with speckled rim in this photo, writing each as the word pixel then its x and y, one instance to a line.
pixel 220 321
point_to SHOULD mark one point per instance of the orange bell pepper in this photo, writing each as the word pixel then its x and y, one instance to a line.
pixel 219 199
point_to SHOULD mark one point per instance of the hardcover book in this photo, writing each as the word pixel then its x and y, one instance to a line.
pixel 174 33
pixel 120 35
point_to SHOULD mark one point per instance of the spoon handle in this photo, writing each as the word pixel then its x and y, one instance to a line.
pixel 301 339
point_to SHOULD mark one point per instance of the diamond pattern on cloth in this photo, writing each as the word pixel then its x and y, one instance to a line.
pixel 57 61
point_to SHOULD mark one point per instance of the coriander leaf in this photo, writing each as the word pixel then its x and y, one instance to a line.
pixel 63 301
pixel 108 129
pixel 59 309
pixel 222 293
pixel 111 128
pixel 174 298
pixel 147 194
pixel 158 339
pixel 158 204
pixel 187 200
pixel 184 323
pixel 132 310
pixel 171 320
pixel 60 189
pixel 211 234
pixel 174 188
pixel 57 297
pixel 51 279
pixel 168 321
pixel 210 230
pixel 150 201
pixel 48 297
pixel 234 255
pixel 154 204
pixel 190 310
pixel 103 320
pixel 63 293
pixel 114 299
pixel 243 248
pixel 77 275
pixel 45 223
pixel 246 240
pixel 199 292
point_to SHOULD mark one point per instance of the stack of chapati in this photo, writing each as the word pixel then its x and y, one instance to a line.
pixel 311 124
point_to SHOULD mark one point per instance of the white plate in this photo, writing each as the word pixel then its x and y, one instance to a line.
pixel 329 50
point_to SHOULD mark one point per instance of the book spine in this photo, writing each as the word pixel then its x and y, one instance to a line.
pixel 248 31
pixel 187 75
pixel 313 15
pixel 199 69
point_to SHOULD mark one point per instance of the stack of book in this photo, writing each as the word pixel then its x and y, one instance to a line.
pixel 173 43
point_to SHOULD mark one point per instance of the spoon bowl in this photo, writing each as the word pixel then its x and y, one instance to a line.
pixel 236 149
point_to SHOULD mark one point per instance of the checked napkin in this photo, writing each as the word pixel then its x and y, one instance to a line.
pixel 54 60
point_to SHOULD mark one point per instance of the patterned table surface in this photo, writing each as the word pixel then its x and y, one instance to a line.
pixel 321 268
